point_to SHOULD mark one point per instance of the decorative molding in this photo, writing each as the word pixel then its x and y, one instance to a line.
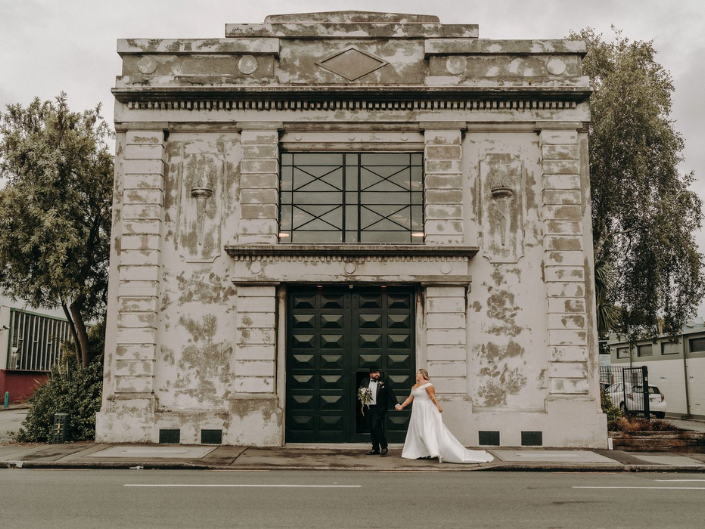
pixel 268 105
pixel 347 63
pixel 351 252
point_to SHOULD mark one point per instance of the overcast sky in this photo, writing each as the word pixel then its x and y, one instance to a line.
pixel 47 46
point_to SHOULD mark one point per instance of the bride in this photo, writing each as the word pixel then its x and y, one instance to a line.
pixel 427 436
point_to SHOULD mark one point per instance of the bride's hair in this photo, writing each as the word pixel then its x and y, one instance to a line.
pixel 425 374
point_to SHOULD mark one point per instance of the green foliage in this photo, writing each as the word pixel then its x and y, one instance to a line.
pixel 71 388
pixel 644 214
pixel 609 408
pixel 55 211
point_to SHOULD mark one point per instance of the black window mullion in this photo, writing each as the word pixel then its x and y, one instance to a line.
pixel 345 197
pixel 359 198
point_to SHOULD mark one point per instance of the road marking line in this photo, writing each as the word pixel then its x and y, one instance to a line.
pixel 243 485
pixel 680 480
pixel 654 488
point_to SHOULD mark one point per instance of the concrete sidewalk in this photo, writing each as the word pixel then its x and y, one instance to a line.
pixel 348 457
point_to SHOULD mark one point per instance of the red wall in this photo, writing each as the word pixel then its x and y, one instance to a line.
pixel 20 384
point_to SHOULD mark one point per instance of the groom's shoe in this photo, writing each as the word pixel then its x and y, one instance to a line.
pixel 373 453
pixel 384 452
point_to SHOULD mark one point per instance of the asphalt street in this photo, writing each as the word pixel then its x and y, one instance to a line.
pixel 10 423
pixel 198 499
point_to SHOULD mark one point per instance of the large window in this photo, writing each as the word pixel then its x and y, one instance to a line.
pixel 669 348
pixel 333 198
pixel 645 350
pixel 697 345
pixel 622 352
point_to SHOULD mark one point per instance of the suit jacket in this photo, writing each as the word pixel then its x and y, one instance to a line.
pixel 385 394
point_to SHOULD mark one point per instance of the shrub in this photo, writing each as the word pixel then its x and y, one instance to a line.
pixel 609 408
pixel 633 424
pixel 71 389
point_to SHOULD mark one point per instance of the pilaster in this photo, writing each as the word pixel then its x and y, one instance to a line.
pixel 564 261
pixel 256 339
pixel 139 262
pixel 259 183
pixel 443 183
pixel 446 338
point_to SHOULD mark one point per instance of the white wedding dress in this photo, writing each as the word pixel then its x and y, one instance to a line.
pixel 428 436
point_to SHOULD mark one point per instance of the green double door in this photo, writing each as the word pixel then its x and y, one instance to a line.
pixel 333 335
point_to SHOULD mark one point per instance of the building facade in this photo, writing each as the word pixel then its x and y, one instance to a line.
pixel 30 345
pixel 676 367
pixel 324 191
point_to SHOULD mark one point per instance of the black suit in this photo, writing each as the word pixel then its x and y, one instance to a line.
pixel 376 413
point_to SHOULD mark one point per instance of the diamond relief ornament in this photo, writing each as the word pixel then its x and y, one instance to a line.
pixel 352 63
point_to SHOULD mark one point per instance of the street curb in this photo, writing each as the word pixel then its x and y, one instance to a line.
pixel 141 465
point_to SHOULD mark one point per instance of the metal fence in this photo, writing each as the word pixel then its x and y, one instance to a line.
pixel 35 341
pixel 627 388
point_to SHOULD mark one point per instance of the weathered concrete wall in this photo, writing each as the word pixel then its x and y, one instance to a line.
pixel 195 339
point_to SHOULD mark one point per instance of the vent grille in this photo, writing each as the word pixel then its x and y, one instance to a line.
pixel 211 437
pixel 489 438
pixel 169 436
pixel 531 438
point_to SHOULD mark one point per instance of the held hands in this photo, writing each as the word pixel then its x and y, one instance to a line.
pixel 398 407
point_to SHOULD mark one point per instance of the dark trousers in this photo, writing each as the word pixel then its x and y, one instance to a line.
pixel 376 416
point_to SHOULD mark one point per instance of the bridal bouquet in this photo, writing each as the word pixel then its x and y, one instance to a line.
pixel 364 395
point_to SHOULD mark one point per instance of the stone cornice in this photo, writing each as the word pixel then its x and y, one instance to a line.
pixel 354 30
pixel 264 46
pixel 345 94
pixel 328 252
pixel 504 47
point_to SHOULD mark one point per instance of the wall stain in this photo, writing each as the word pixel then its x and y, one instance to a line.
pixel 498 380
pixel 204 286
pixel 495 392
pixel 167 354
pixel 205 360
pixel 501 306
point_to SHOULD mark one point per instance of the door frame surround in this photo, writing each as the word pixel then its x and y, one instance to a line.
pixel 283 291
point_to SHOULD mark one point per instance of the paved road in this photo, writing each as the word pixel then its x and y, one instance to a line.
pixel 200 499
pixel 10 422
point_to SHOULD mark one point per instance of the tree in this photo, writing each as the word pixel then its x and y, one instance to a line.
pixel 650 275
pixel 55 211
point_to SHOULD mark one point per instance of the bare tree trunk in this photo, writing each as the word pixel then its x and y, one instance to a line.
pixel 81 331
pixel 74 334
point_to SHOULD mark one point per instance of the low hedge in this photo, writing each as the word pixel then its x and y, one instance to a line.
pixel 71 389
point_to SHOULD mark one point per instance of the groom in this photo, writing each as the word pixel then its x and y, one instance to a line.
pixel 382 398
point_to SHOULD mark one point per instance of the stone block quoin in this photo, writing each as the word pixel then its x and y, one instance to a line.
pixel 443 160
pixel 139 261
pixel 446 338
pixel 259 183
pixel 564 262
pixel 256 339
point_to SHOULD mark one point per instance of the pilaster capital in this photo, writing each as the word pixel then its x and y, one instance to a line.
pixel 259 125
pixel 442 125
